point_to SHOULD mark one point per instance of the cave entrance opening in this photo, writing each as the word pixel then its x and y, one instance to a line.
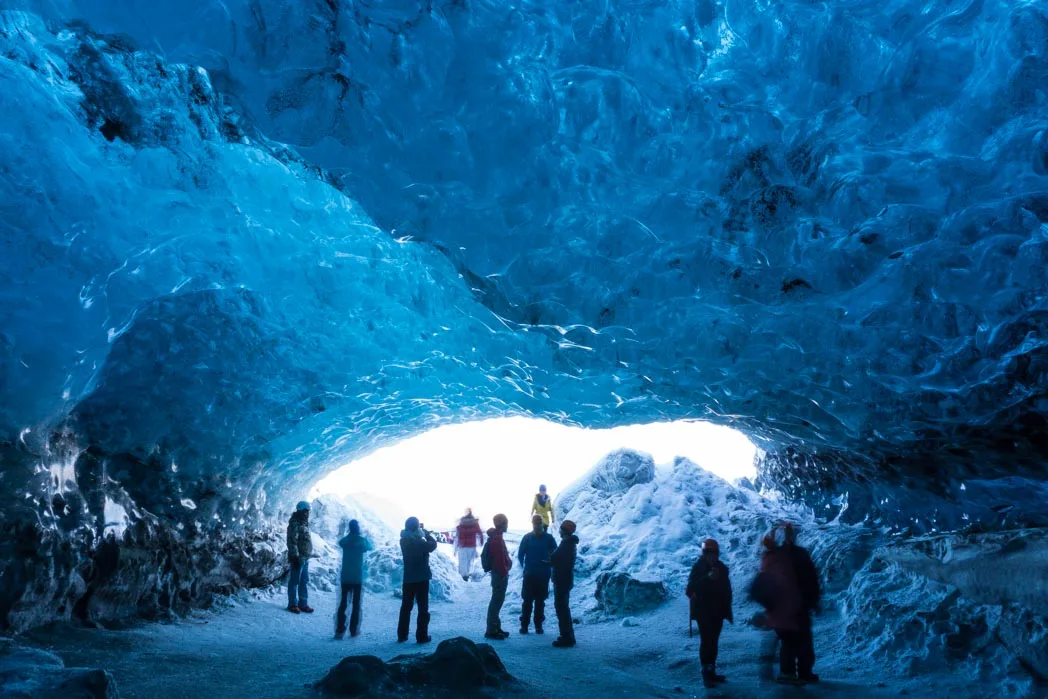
pixel 497 465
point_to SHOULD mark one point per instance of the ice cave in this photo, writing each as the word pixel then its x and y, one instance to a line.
pixel 248 242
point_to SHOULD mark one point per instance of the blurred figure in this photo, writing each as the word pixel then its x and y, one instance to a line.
pixel 709 590
pixel 542 506
pixel 468 537
pixel 415 544
pixel 787 586
pixel 563 562
pixel 299 551
pixel 354 546
pixel 495 559
pixel 534 553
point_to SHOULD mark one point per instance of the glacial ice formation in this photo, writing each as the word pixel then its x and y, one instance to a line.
pixel 823 224
pixel 246 240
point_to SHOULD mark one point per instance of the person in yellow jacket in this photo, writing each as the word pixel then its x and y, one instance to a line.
pixel 543 507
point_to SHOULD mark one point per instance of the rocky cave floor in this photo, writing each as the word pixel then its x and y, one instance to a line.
pixel 253 648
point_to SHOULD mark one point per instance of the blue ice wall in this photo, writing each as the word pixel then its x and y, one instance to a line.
pixel 824 223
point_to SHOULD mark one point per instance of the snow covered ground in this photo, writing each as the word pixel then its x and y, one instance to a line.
pixel 255 649
pixel 889 628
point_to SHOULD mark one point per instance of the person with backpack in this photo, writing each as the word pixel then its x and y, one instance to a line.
pixel 354 546
pixel 495 559
pixel 299 551
pixel 415 544
pixel 563 563
pixel 709 590
pixel 542 506
pixel 467 537
pixel 533 554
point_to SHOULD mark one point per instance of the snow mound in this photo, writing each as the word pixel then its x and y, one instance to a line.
pixel 650 523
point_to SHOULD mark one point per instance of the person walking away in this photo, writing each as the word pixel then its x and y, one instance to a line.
pixel 534 553
pixel 807 578
pixel 563 562
pixel 415 544
pixel 354 546
pixel 496 560
pixel 468 537
pixel 709 590
pixel 299 551
pixel 542 506
pixel 777 589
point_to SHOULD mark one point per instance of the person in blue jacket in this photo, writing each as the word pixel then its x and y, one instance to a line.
pixel 354 572
pixel 534 556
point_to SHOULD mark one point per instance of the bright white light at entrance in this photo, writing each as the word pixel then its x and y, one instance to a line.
pixel 497 465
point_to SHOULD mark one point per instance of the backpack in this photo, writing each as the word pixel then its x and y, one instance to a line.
pixel 486 562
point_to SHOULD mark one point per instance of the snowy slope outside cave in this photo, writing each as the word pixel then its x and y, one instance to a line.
pixel 650 521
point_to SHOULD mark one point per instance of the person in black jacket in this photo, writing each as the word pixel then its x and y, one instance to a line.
pixel 709 590
pixel 799 647
pixel 415 544
pixel 563 562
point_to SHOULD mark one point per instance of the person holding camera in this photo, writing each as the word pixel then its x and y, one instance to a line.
pixel 415 544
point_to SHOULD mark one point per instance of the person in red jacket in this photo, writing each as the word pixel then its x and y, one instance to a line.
pixel 467 538
pixel 501 564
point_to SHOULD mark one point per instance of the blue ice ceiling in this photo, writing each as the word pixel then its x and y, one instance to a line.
pixel 823 223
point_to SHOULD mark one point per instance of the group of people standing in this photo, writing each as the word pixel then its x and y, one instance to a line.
pixel 787 586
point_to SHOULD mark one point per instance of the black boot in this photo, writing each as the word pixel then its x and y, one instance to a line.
pixel 709 680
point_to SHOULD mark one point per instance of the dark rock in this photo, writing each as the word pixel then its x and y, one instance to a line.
pixel 621 594
pixel 458 667
pixel 27 673
pixel 356 676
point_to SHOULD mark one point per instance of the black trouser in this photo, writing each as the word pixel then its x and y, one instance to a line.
pixel 535 593
pixel 414 592
pixel 797 652
pixel 561 603
pixel 354 617
pixel 709 638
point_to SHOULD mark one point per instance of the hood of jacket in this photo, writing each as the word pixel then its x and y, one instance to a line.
pixel 572 540
pixel 411 534
pixel 302 516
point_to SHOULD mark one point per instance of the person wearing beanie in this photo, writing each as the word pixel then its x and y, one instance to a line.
pixel 415 544
pixel 709 590
pixel 563 562
pixel 354 571
pixel 299 551
pixel 499 564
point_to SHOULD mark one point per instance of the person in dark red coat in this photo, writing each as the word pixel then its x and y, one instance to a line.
pixel 468 537
pixel 788 588
pixel 709 590
pixel 501 563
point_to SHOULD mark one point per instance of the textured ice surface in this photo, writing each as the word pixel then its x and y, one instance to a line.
pixel 971 604
pixel 824 223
